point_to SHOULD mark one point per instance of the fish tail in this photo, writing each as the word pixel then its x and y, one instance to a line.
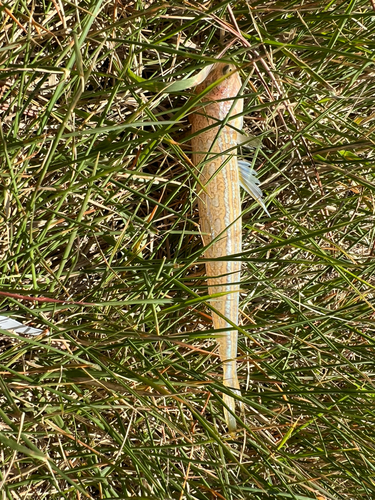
pixel 230 419
pixel 228 306
pixel 233 383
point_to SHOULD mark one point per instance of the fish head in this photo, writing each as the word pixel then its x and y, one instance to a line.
pixel 223 98
pixel 228 86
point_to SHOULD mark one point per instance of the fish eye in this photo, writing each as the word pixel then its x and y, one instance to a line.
pixel 227 69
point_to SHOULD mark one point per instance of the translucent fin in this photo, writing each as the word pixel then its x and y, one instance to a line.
pixel 230 419
pixel 230 380
pixel 250 183
pixel 17 327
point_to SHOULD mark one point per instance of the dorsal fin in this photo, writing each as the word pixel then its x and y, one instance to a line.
pixel 250 183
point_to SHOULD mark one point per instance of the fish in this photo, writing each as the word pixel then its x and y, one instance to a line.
pixel 216 126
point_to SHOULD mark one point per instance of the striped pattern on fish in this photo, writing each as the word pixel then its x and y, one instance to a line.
pixel 220 206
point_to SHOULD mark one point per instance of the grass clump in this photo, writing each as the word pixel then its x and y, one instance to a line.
pixel 100 245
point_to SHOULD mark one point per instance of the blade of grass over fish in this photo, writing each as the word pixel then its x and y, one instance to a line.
pixel 176 86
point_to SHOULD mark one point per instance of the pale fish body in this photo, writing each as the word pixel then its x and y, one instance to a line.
pixel 220 207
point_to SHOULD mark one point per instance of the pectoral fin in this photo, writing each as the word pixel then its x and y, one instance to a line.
pixel 7 323
pixel 250 183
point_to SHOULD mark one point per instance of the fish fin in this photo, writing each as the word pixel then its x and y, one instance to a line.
pixel 248 141
pixel 7 323
pixel 230 419
pixel 250 183
pixel 230 380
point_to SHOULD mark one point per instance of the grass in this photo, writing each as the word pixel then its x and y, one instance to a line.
pixel 100 235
